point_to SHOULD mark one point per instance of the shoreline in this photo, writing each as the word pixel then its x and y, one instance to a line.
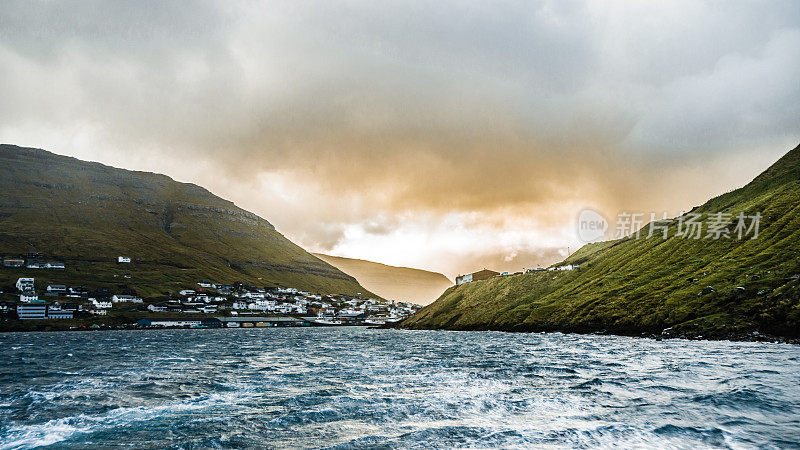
pixel 52 329
pixel 751 336
pixel 734 337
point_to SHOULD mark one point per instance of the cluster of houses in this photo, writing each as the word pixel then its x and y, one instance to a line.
pixel 243 304
pixel 243 300
pixel 33 260
pixel 486 274
pixel 31 306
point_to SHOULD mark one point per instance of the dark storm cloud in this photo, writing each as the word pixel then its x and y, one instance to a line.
pixel 504 109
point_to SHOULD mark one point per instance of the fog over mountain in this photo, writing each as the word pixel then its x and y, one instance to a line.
pixel 392 283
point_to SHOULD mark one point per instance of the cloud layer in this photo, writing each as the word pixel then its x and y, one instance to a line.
pixel 432 134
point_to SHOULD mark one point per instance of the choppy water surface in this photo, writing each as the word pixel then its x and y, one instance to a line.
pixel 354 387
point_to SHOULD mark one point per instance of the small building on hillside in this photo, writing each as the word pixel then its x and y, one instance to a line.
pixel 28 297
pixel 57 289
pixel 77 291
pixel 239 304
pixel 101 303
pixel 123 259
pixel 484 274
pixel 25 284
pixel 564 267
pixel 157 308
pixel 121 298
pixel 13 262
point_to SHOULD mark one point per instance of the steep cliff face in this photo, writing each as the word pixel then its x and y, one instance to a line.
pixel 726 287
pixel 88 214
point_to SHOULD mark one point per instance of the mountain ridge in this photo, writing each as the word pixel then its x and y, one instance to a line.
pixel 88 213
pixel 392 282
pixel 726 288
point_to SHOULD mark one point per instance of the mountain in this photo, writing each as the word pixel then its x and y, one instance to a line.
pixel 725 288
pixel 390 282
pixel 87 214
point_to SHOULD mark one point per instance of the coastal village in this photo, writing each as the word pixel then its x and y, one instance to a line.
pixel 205 304
pixel 202 304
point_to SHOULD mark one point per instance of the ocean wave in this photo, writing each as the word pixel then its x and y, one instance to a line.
pixel 352 387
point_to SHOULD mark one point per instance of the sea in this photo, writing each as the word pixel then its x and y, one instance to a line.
pixel 354 387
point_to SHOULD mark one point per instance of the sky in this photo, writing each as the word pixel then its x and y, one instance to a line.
pixel 447 135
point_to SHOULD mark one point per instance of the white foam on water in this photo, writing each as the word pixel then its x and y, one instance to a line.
pixel 59 430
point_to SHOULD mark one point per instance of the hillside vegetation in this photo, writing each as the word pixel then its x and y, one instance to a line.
pixel 86 214
pixel 390 282
pixel 656 285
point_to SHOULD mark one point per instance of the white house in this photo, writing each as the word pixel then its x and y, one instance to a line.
pixel 157 308
pixel 25 284
pixel 350 312
pixel 284 308
pixel 208 309
pixel 123 259
pixel 120 298
pixel 461 279
pixel 239 304
pixel 28 296
pixel 99 304
pixel 265 305
pixel 207 284
pixel 186 292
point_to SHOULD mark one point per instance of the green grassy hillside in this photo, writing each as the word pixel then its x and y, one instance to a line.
pixel 390 282
pixel 86 214
pixel 633 286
